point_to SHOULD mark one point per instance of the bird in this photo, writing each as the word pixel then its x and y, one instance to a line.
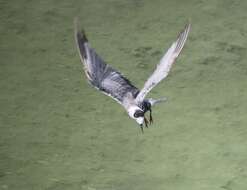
pixel 112 83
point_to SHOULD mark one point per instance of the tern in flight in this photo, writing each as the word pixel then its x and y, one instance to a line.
pixel 112 83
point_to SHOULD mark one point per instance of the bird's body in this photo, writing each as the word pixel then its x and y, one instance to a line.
pixel 112 83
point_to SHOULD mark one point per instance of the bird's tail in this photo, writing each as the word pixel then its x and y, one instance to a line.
pixel 156 101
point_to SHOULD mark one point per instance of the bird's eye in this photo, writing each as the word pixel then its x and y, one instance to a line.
pixel 138 113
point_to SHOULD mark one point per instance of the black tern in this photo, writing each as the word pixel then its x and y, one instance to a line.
pixel 112 83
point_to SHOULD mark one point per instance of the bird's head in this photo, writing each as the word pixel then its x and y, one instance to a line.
pixel 137 114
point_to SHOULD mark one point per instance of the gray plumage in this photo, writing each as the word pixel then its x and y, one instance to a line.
pixel 100 75
pixel 165 64
pixel 114 84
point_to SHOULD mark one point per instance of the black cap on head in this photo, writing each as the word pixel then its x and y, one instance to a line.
pixel 138 113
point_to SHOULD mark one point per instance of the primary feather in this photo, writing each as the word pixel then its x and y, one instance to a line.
pixel 165 64
pixel 99 74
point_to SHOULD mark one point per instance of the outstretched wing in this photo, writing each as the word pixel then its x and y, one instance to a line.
pixel 99 74
pixel 165 64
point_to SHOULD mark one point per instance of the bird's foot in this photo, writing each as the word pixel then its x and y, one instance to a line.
pixel 146 122
pixel 142 129
pixel 151 118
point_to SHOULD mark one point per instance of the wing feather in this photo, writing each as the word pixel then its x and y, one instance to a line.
pixel 99 74
pixel 165 64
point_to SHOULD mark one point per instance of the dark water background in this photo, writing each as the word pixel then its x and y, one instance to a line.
pixel 58 133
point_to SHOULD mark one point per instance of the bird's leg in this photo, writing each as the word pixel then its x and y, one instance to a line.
pixel 142 129
pixel 146 122
pixel 150 116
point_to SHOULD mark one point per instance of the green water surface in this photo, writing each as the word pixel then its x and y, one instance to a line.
pixel 58 133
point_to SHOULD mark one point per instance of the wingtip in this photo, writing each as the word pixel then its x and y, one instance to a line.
pixel 182 37
pixel 80 39
pixel 187 26
pixel 79 33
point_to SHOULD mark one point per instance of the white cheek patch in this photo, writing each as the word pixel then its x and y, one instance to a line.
pixel 140 120
pixel 132 110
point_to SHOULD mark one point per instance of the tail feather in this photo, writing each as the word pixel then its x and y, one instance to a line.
pixel 154 102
